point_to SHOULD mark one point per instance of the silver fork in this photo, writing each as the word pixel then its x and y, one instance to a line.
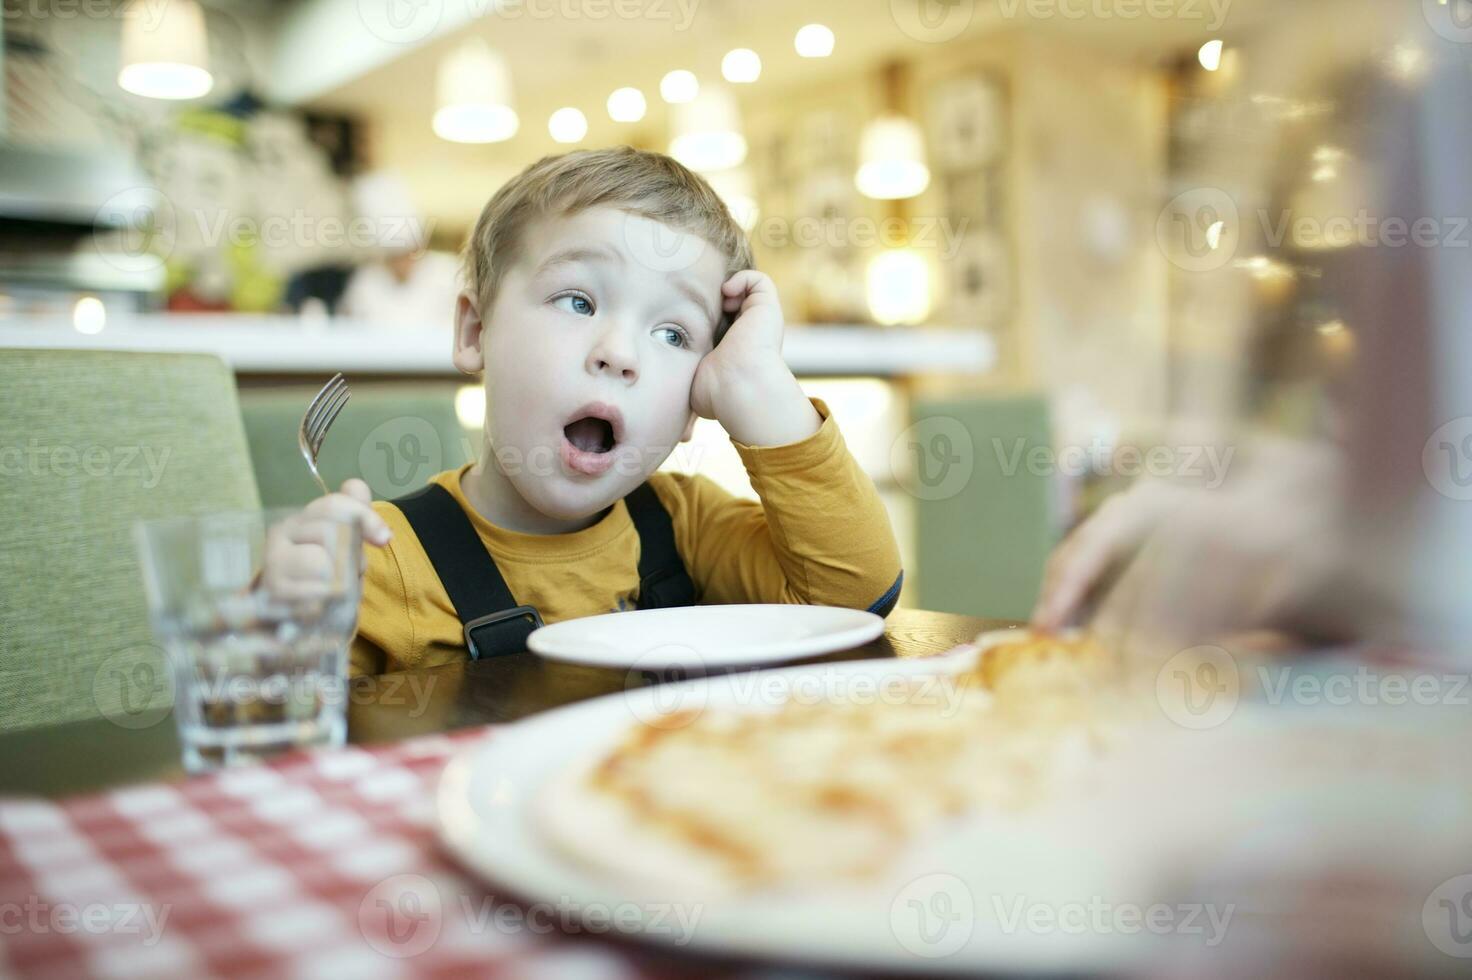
pixel 318 419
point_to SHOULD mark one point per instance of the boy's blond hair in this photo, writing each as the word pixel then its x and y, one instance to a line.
pixel 651 185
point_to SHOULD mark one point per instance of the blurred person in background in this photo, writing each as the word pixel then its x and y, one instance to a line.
pixel 405 284
pixel 1344 531
pixel 1335 826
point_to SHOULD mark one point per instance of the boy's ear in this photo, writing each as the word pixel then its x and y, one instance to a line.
pixel 469 358
pixel 690 428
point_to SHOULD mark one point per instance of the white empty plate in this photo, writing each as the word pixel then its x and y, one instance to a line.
pixel 699 637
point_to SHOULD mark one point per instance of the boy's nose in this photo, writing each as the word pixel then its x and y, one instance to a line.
pixel 614 354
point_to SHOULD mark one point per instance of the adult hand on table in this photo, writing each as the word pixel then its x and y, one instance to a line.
pixel 1100 548
pixel 1265 551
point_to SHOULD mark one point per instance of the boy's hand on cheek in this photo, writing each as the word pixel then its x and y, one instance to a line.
pixel 744 383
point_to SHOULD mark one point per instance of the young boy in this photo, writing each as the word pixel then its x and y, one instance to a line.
pixel 610 301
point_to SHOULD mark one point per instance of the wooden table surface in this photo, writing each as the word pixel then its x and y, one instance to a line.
pixel 95 754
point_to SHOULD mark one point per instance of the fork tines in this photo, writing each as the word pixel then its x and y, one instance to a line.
pixel 324 410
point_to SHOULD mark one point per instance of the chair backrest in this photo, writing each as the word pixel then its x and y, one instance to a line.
pixel 392 435
pixel 90 443
pixel 982 540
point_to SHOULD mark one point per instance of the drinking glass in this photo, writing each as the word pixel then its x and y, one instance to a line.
pixel 258 653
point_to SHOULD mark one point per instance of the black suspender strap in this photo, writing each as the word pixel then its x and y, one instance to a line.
pixel 663 580
pixel 494 624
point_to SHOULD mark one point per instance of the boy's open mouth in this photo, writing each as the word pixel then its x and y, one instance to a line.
pixel 590 434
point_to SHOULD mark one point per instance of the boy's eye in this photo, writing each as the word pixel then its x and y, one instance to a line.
pixel 673 336
pixel 574 303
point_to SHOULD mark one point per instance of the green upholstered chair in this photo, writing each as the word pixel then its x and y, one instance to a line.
pixel 393 435
pixel 90 443
pixel 981 544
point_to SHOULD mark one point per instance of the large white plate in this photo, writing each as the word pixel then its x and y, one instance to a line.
pixel 1005 892
pixel 937 911
pixel 699 637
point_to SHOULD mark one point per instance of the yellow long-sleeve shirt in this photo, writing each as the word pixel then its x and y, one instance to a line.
pixel 819 535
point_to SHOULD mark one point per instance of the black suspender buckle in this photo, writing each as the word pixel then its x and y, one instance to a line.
pixel 501 633
pixel 665 588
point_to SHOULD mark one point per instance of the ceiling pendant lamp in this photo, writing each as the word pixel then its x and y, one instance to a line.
pixel 474 96
pixel 165 51
pixel 892 160
pixel 707 131
pixel 892 163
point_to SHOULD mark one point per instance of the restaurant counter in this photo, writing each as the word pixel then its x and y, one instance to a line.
pixel 286 346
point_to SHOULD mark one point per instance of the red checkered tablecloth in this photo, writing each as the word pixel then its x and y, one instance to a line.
pixel 279 870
